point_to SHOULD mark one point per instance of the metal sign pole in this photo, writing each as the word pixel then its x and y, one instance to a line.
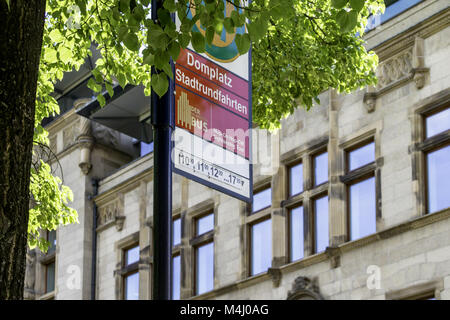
pixel 162 121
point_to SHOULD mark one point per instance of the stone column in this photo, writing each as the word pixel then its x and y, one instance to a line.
pixel 186 252
pixel 145 240
pixel 278 214
pixel 336 166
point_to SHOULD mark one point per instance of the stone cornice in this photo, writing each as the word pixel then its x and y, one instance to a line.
pixel 406 39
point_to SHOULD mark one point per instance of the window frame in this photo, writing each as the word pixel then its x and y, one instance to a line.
pixel 122 270
pixel 176 249
pixel 431 144
pixel 360 174
pixel 128 269
pixel 306 198
pixel 197 241
pixel 421 145
pixel 250 225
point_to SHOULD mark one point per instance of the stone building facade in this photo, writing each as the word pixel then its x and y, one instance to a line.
pixel 353 204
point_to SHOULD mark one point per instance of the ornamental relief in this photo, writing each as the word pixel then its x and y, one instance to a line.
pixel 395 69
pixel 112 213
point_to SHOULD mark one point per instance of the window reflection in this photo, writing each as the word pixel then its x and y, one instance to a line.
pixel 205 268
pixel 51 237
pixel 176 232
pixel 296 232
pixel 261 247
pixel 437 123
pixel 438 165
pixel 362 209
pixel 321 223
pixel 205 224
pixel 295 179
pixel 321 168
pixel 176 271
pixel 132 286
pixel 361 156
pixel 50 277
pixel 146 148
pixel 262 199
pixel 132 255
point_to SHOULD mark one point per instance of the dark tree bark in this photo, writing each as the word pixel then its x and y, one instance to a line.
pixel 21 29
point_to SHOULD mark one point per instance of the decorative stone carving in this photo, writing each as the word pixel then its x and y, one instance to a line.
pixel 84 139
pixel 408 65
pixel 112 214
pixel 394 69
pixel 276 275
pixel 304 289
pixel 105 136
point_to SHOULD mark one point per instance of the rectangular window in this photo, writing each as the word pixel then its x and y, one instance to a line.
pixel 361 189
pixel 176 232
pixel 205 224
pixel 176 277
pixel 50 277
pixel 436 150
pixel 438 172
pixel 296 179
pixel 131 276
pixel 51 237
pixel 437 123
pixel 320 168
pixel 205 268
pixel 176 259
pixel 362 209
pixel 262 200
pixel 321 224
pixel 359 157
pixel 204 254
pixel 261 247
pixel 296 228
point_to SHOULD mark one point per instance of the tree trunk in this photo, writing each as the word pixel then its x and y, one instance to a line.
pixel 21 29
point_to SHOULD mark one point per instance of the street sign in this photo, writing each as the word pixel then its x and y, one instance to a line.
pixel 213 115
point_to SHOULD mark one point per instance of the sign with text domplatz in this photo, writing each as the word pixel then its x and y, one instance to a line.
pixel 213 115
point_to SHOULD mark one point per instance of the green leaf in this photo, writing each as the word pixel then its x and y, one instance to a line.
pixel 160 83
pixel 148 58
pixel 50 55
pixel 210 35
pixel 94 86
pixel 131 41
pixel 339 4
pixel 198 42
pixel 170 5
pixel 64 53
pixel 101 100
pixel 174 50
pixel 123 31
pixel 229 25
pixel 122 80
pixel 357 5
pixel 110 89
pixel 243 43
pixel 56 36
pixel 257 29
pixel 167 68
pixel 124 5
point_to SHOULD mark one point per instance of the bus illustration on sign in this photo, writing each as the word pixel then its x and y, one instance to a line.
pixel 223 47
